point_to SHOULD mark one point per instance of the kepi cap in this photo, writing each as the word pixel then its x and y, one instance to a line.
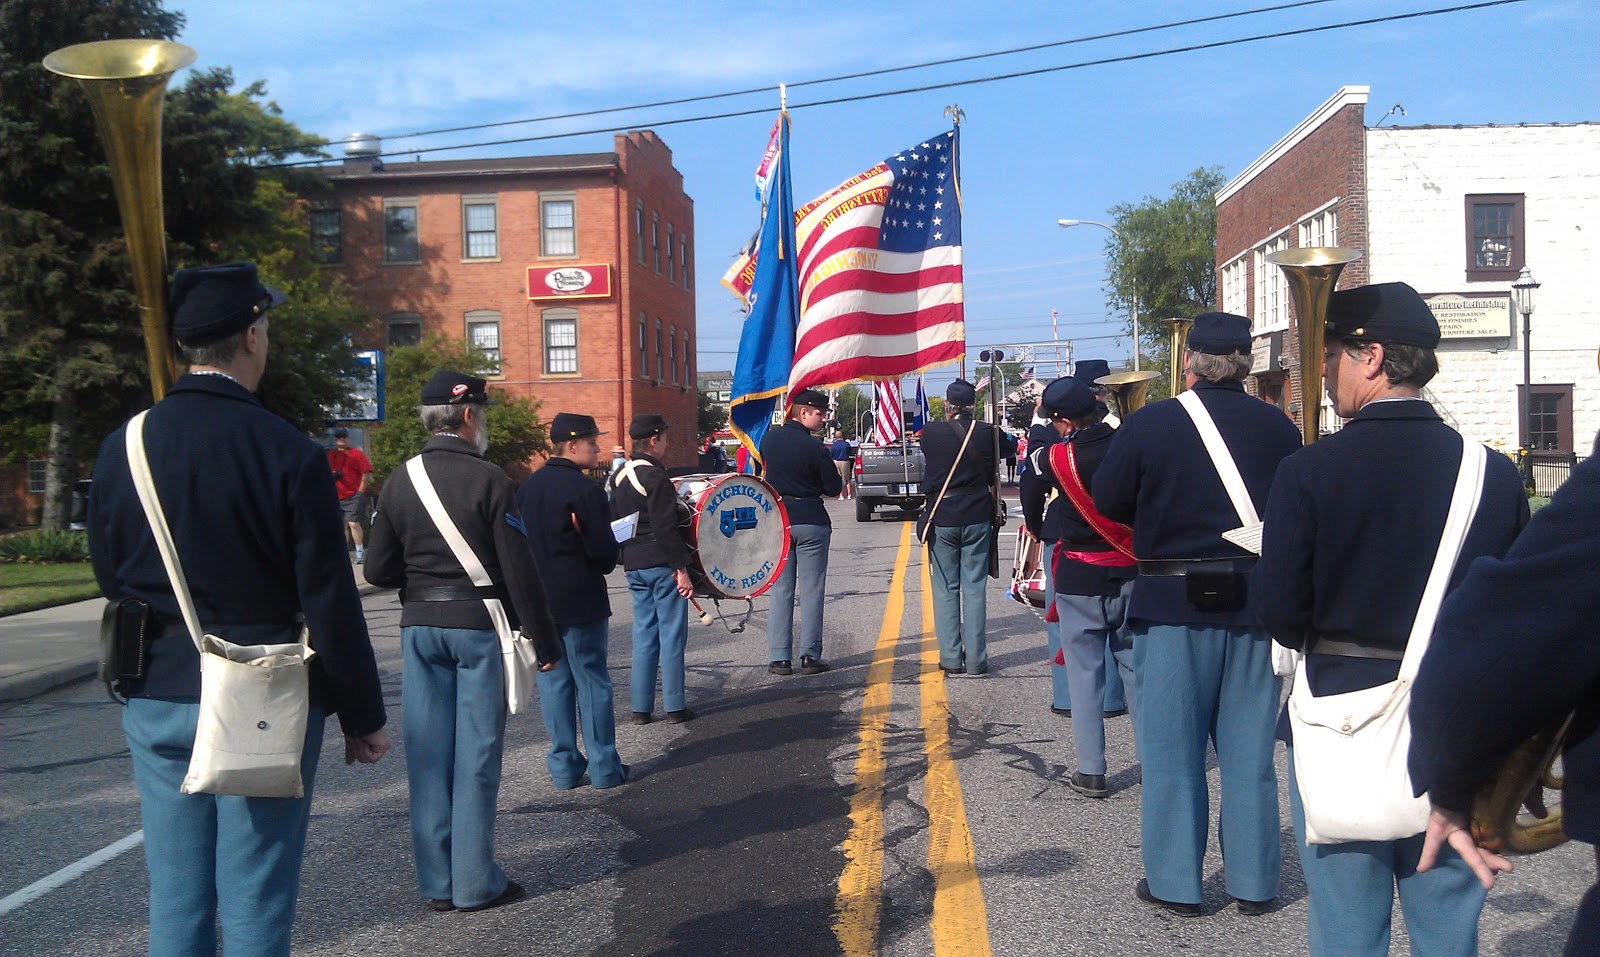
pixel 1088 370
pixel 1220 334
pixel 810 397
pixel 208 303
pixel 646 424
pixel 455 388
pixel 1390 312
pixel 961 393
pixel 567 426
pixel 1068 397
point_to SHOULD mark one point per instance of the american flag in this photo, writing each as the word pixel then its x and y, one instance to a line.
pixel 1027 373
pixel 880 271
pixel 982 384
pixel 886 417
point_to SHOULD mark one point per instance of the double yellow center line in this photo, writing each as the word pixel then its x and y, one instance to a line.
pixel 959 922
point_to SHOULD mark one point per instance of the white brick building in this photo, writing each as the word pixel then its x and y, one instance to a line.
pixel 1456 212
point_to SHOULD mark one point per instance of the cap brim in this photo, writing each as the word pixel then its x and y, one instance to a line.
pixel 274 297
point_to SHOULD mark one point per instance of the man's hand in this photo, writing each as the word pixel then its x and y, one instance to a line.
pixel 366 748
pixel 685 587
pixel 1452 827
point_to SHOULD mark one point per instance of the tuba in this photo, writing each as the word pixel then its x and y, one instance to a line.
pixel 126 82
pixel 1178 343
pixel 1130 389
pixel 1312 273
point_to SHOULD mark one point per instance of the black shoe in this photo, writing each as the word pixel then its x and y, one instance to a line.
pixel 1255 908
pixel 641 717
pixel 1141 890
pixel 1089 785
pixel 780 668
pixel 440 904
pixel 1117 713
pixel 812 666
pixel 680 716
pixel 1064 712
pixel 951 671
pixel 513 892
pixel 621 780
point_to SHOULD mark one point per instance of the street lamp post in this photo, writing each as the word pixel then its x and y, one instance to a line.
pixel 1522 291
pixel 1067 224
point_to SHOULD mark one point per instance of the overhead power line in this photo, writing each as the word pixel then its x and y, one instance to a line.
pixel 951 84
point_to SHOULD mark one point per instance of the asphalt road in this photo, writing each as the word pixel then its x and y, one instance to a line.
pixel 742 832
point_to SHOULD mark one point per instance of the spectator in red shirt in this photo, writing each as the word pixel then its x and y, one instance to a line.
pixel 350 470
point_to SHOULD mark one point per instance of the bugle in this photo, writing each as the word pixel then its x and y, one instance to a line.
pixel 1177 345
pixel 1129 389
pixel 1312 273
pixel 126 83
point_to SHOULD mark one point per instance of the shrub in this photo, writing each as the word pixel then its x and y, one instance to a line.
pixel 45 545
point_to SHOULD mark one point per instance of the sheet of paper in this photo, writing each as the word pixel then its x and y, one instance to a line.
pixel 622 529
pixel 1247 537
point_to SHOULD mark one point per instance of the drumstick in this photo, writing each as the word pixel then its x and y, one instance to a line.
pixel 705 617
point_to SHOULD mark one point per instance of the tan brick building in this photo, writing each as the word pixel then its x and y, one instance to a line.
pixel 575 270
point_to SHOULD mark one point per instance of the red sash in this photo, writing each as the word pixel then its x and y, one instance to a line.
pixel 1119 536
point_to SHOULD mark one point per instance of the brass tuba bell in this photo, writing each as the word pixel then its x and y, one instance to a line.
pixel 126 82
pixel 1178 344
pixel 1130 389
pixel 1312 273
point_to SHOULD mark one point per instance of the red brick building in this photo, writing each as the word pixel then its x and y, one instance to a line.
pixel 576 271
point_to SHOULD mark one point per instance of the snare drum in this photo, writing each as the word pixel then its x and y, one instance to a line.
pixel 737 531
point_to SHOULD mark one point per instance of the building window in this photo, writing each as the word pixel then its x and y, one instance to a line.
pixel 672 272
pixel 638 229
pixel 1272 292
pixel 1321 229
pixel 400 231
pixel 658 350
pixel 558 234
pixel 483 334
pixel 327 237
pixel 480 225
pixel 403 329
pixel 37 470
pixel 687 377
pixel 672 354
pixel 1546 417
pixel 1494 236
pixel 560 341
pixel 644 347
pixel 1233 288
pixel 683 259
pixel 655 241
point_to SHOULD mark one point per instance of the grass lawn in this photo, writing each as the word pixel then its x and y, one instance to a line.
pixel 25 587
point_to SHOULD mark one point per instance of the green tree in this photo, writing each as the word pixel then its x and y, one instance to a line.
pixel 516 433
pixel 1165 260
pixel 72 359
pixel 710 414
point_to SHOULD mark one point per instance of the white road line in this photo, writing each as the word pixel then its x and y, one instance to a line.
pixel 70 873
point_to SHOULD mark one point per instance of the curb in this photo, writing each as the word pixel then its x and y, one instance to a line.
pixel 59 674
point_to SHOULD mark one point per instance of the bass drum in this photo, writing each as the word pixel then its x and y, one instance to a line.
pixel 1027 571
pixel 738 533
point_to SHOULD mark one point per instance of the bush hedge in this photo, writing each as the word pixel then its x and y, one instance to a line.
pixel 45 545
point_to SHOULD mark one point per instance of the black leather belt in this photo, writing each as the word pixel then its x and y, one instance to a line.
pixel 449 593
pixel 1179 567
pixel 1349 649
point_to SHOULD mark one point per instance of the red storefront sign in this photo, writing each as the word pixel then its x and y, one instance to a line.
pixel 570 282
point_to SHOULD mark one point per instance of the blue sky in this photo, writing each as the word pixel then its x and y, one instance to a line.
pixel 1036 149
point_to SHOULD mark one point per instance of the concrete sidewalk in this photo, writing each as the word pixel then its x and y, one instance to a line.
pixel 51 647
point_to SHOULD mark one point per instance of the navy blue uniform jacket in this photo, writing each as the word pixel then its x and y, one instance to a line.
pixel 256 520
pixel 968 500
pixel 1158 478
pixel 658 539
pixel 1517 646
pixel 1041 514
pixel 572 563
pixel 1353 524
pixel 800 469
pixel 1077 535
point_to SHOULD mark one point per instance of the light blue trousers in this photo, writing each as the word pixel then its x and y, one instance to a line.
pixel 230 858
pixel 1198 685
pixel 1116 698
pixel 1093 626
pixel 660 629
pixel 807 566
pixel 453 695
pixel 959 569
pixel 578 689
pixel 1350 892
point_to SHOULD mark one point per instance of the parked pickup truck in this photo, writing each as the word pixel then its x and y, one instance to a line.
pixel 888 475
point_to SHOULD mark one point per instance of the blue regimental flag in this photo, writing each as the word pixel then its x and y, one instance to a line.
pixel 766 343
pixel 919 418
